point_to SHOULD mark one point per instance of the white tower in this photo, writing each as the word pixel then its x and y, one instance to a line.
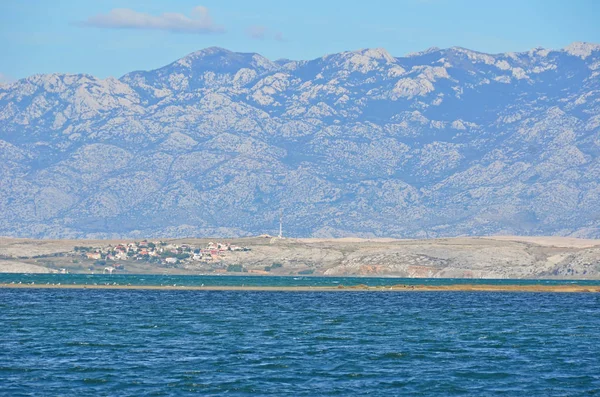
pixel 281 224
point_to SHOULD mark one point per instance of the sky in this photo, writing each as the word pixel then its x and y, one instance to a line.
pixel 110 38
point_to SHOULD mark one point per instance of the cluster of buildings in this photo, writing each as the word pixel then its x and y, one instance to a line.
pixel 158 252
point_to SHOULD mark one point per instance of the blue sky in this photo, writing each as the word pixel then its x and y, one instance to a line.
pixel 110 37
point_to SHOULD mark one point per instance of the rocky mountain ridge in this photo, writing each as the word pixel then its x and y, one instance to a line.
pixel 444 142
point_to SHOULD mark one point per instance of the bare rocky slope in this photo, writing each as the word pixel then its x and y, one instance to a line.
pixel 508 257
pixel 445 142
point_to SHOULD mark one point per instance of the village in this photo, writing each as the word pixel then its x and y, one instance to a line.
pixel 114 258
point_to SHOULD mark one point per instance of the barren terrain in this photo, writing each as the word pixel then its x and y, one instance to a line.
pixel 434 144
pixel 472 257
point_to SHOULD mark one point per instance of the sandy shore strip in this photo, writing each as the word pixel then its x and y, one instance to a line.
pixel 340 288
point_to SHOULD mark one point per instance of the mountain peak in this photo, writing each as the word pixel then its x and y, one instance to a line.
pixel 375 53
pixel 581 49
pixel 209 51
pixel 218 58
pixel 420 53
pixel 362 60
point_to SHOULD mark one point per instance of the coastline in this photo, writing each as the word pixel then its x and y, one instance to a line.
pixel 502 257
pixel 341 288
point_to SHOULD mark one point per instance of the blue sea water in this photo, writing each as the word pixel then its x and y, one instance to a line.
pixel 171 342
pixel 273 281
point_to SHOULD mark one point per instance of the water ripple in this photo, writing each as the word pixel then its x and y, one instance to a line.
pixel 133 343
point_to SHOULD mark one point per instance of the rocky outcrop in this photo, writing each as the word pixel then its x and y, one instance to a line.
pixel 445 142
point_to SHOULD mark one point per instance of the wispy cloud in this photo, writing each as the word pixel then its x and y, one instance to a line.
pixel 199 21
pixel 4 79
pixel 259 32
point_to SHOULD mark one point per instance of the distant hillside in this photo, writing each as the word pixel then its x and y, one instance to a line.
pixel 444 142
pixel 463 257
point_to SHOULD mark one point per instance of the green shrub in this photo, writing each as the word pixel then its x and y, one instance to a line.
pixel 235 268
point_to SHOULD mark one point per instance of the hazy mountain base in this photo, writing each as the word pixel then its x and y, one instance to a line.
pixel 440 143
pixel 506 257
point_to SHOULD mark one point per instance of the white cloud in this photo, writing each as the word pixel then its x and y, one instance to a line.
pixel 199 21
pixel 258 32
pixel 4 79
pixel 278 36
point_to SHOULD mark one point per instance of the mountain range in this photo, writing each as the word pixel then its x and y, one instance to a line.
pixel 444 142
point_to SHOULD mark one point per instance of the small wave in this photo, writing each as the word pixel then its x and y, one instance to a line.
pixel 393 355
pixel 95 381
pixel 332 338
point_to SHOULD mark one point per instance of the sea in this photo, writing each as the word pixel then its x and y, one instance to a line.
pixel 101 342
